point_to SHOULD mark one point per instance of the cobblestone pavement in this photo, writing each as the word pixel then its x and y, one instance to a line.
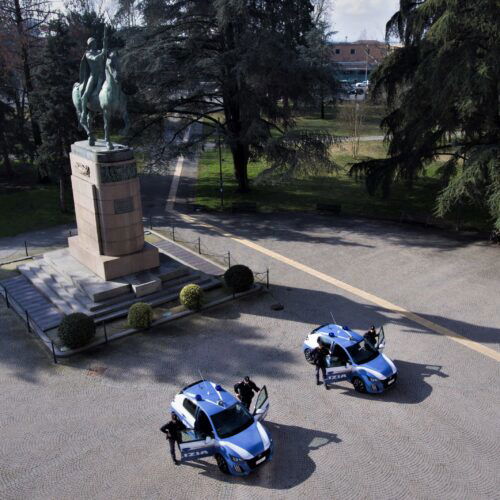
pixel 88 428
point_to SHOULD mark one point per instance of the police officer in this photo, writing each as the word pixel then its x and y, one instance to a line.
pixel 319 355
pixel 172 430
pixel 245 390
pixel 371 336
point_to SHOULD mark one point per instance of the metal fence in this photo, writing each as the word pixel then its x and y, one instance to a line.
pixel 29 249
pixel 225 259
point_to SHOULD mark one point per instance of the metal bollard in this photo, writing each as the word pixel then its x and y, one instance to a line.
pixel 150 222
pixel 53 352
pixel 267 279
pixel 199 245
pixel 228 259
pixel 28 320
pixel 26 248
pixel 173 233
pixel 105 332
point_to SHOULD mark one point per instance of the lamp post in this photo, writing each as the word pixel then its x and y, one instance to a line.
pixel 221 183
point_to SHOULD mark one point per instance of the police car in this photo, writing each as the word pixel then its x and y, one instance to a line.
pixel 219 425
pixel 353 358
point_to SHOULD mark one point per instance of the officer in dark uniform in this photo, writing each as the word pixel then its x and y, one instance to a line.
pixel 173 430
pixel 371 336
pixel 245 390
pixel 319 355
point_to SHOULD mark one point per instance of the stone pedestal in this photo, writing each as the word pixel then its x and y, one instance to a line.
pixel 108 209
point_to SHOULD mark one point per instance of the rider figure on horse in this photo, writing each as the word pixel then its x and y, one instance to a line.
pixel 92 72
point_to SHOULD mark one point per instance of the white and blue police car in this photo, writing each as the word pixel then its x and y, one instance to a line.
pixel 353 358
pixel 219 425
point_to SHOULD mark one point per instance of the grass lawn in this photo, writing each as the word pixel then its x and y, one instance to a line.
pixel 303 194
pixel 337 120
pixel 30 209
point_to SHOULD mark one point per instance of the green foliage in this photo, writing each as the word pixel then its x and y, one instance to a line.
pixel 76 330
pixel 191 296
pixel 140 315
pixel 54 109
pixel 238 278
pixel 250 62
pixel 442 90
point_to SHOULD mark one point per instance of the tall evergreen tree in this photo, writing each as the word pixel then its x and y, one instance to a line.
pixel 246 61
pixel 54 108
pixel 443 95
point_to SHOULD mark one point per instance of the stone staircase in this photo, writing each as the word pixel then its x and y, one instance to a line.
pixel 71 289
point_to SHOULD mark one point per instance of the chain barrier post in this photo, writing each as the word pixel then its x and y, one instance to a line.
pixel 53 352
pixel 173 233
pixel 199 245
pixel 228 260
pixel 26 248
pixel 267 279
pixel 27 320
pixel 6 296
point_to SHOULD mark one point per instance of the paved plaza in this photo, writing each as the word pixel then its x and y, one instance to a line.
pixel 89 427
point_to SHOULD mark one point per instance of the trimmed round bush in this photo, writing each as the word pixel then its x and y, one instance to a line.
pixel 191 296
pixel 239 278
pixel 76 330
pixel 140 315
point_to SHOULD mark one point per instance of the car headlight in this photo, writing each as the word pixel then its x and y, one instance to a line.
pixel 236 459
pixel 373 379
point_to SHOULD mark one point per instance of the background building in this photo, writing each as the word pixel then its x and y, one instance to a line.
pixel 357 60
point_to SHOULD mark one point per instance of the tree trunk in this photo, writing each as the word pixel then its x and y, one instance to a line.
pixel 28 81
pixel 240 154
pixel 5 156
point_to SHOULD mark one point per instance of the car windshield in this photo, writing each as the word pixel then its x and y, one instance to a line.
pixel 362 352
pixel 232 421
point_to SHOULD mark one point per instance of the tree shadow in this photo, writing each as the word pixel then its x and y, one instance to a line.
pixel 292 446
pixel 317 307
pixel 307 226
pixel 410 388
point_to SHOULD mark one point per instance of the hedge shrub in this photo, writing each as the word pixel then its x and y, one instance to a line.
pixel 76 330
pixel 191 296
pixel 238 278
pixel 140 315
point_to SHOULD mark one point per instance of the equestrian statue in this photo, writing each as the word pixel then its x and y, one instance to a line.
pixel 99 90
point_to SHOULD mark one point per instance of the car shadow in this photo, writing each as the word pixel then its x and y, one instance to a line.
pixel 410 388
pixel 291 464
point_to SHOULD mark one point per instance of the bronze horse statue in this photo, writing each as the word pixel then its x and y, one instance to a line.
pixel 99 90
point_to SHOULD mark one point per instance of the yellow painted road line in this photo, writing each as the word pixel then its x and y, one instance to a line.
pixel 430 325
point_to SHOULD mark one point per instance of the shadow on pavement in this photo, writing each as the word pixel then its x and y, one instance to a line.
pixel 410 388
pixel 291 464
pixel 300 226
pixel 314 307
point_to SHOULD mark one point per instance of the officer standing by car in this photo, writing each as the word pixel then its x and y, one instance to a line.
pixel 245 390
pixel 371 336
pixel 173 430
pixel 319 355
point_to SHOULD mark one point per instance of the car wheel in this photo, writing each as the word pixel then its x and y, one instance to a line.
pixel 222 464
pixel 308 356
pixel 359 385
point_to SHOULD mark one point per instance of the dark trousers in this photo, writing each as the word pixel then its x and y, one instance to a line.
pixel 172 443
pixel 246 402
pixel 323 372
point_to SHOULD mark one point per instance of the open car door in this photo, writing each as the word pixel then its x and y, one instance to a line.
pixel 380 339
pixel 337 368
pixel 261 405
pixel 195 445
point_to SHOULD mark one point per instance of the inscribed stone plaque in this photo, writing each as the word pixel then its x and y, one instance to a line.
pixel 110 173
pixel 124 205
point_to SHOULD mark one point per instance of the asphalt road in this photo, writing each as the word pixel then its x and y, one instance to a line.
pixel 89 428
